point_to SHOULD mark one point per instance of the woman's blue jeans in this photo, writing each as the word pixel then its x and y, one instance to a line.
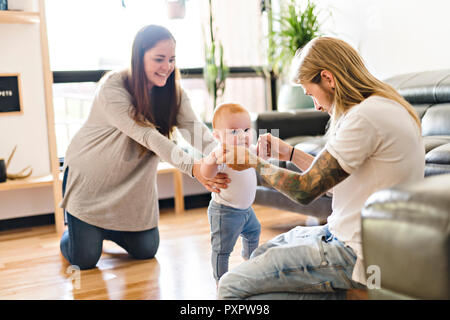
pixel 82 243
pixel 303 263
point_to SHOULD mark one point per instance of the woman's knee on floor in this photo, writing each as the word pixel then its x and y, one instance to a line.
pixel 144 252
pixel 85 260
pixel 142 245
pixel 86 265
pixel 144 249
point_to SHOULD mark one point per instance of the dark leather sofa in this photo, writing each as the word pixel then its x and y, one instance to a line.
pixel 428 92
pixel 405 234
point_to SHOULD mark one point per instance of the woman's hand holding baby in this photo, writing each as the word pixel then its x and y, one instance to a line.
pixel 212 180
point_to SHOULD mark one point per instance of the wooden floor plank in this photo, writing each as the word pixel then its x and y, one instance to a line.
pixel 31 266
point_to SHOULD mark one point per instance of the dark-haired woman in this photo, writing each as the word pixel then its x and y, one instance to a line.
pixel 110 169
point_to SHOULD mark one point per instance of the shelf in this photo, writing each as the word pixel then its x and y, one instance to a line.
pixel 18 17
pixel 33 182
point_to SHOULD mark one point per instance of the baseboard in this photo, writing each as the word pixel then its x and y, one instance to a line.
pixel 190 202
pixel 27 222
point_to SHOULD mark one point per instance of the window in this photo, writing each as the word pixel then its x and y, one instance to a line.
pixel 97 35
pixel 91 35
pixel 72 104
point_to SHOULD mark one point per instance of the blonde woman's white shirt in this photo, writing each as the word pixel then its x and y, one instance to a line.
pixel 380 145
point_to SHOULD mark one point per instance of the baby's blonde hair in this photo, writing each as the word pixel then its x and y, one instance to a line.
pixel 226 108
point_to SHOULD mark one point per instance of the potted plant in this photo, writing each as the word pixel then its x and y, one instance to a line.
pixel 295 26
pixel 215 71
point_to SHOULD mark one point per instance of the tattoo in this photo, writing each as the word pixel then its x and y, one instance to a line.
pixel 323 174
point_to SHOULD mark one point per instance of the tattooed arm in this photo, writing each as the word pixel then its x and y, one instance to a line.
pixel 323 174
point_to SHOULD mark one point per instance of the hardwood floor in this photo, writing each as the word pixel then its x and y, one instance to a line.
pixel 31 266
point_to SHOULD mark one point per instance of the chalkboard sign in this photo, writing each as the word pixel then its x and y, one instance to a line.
pixel 10 99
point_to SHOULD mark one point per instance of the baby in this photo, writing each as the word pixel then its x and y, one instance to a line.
pixel 230 213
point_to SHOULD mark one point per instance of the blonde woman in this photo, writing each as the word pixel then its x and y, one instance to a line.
pixel 374 142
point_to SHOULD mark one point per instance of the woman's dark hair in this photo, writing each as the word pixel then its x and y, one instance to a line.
pixel 160 107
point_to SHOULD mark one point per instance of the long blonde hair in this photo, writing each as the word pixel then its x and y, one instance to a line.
pixel 353 82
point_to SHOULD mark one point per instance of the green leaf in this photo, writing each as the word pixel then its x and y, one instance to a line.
pixel 297 26
pixel 215 71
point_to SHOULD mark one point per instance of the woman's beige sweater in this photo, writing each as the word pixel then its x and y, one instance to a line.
pixel 108 184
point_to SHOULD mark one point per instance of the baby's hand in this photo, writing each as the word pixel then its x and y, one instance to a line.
pixel 214 155
pixel 210 159
pixel 238 158
pixel 218 152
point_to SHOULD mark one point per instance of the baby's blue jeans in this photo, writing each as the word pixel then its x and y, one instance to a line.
pixel 227 223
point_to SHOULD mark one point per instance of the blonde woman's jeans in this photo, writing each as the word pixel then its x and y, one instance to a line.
pixel 304 263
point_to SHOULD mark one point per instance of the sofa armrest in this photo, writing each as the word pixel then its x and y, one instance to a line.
pixel 305 122
pixel 405 233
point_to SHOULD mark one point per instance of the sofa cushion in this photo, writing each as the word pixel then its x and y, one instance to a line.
pixel 306 122
pixel 298 139
pixel 320 208
pixel 432 142
pixel 421 109
pixel 405 233
pixel 432 169
pixel 311 145
pixel 423 87
pixel 439 155
pixel 436 121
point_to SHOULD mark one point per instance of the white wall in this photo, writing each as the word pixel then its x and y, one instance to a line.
pixel 23 203
pixel 21 53
pixel 393 36
pixel 190 186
